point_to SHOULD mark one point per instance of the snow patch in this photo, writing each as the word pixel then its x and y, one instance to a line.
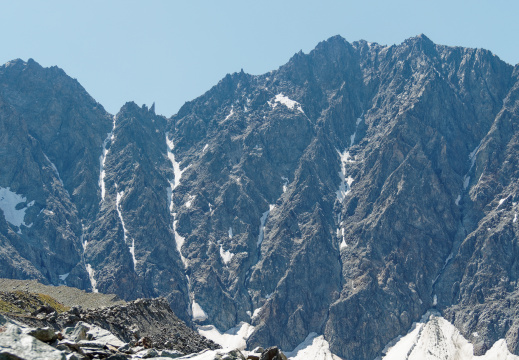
pixel 189 202
pixel 234 338
pixel 91 275
pixel 436 338
pixel 291 104
pixel 226 255
pixel 10 205
pixel 313 347
pixel 340 233
pixel 256 312
pixel 197 311
pixel 285 183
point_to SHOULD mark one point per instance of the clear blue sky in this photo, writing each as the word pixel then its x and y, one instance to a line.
pixel 173 51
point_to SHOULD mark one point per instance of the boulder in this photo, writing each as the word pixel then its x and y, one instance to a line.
pixel 147 354
pixel 273 353
pixel 45 334
pixel 16 344
pixel 78 332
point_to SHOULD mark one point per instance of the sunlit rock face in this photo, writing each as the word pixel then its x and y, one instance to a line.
pixel 342 195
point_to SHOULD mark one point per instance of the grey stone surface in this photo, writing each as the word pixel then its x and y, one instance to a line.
pixel 15 344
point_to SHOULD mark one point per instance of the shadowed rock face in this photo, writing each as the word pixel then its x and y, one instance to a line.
pixel 51 133
pixel 345 194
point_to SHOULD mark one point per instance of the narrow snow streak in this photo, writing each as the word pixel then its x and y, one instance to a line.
pixel 179 240
pixel 352 137
pixel 346 181
pixel 230 113
pixel 53 168
pixel 466 181
pixel 263 220
pixel 102 160
pixel 120 194
pixel 472 159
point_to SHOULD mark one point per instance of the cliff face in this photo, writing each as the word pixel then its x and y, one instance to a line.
pixel 345 194
pixel 51 134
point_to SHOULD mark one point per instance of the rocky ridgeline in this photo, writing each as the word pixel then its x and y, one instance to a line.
pixel 38 326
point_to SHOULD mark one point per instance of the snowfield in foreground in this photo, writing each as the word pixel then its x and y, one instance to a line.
pixel 432 339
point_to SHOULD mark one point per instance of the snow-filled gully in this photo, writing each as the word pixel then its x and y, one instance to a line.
pixel 346 182
pixel 465 185
pixel 196 311
pixel 102 186
pixel 102 160
pixel 131 247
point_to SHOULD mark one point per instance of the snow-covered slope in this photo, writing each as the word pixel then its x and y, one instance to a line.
pixel 435 338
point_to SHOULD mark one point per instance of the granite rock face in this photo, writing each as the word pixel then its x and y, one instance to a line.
pixel 344 194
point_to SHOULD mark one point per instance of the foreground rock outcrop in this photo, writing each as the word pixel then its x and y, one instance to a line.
pixel 36 325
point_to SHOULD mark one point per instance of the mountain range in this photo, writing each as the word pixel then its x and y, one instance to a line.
pixel 345 194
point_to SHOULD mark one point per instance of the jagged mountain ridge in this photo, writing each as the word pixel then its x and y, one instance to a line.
pixel 345 194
